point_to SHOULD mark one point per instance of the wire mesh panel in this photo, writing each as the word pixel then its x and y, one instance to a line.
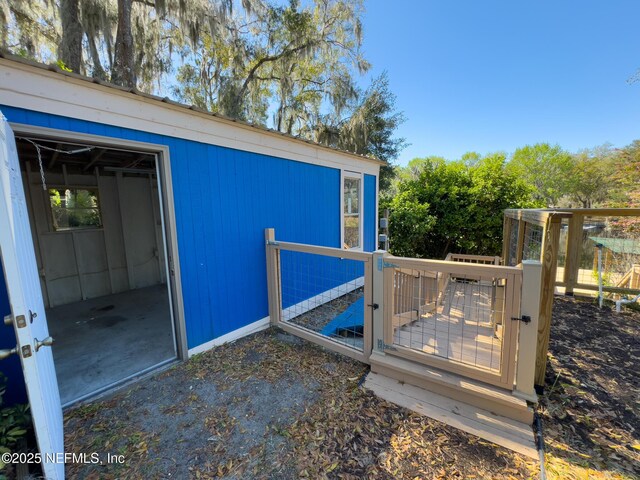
pixel 532 247
pixel 562 249
pixel 324 295
pixel 456 314
pixel 512 252
pixel 620 257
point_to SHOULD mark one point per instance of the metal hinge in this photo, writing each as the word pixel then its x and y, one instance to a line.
pixel 272 242
pixel 384 346
pixel 382 264
pixel 374 305
pixel 523 319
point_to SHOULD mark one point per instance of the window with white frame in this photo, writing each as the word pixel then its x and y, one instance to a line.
pixel 351 210
pixel 74 208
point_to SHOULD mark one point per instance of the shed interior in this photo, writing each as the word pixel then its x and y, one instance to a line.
pixel 98 234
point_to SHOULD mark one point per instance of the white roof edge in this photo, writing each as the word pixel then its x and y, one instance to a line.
pixel 33 86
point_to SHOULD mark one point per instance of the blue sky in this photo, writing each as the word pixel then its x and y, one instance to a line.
pixel 489 75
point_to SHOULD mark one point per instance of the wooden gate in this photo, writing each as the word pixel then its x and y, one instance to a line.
pixel 460 317
pixel 321 294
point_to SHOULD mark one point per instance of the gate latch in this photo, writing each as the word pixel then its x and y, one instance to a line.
pixel 375 306
pixel 524 319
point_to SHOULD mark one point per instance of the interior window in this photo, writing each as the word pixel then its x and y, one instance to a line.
pixel 351 220
pixel 74 208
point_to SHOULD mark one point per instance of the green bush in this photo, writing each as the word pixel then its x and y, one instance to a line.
pixel 443 207
pixel 15 422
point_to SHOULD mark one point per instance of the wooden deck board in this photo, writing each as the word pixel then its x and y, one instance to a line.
pixel 460 329
pixel 509 433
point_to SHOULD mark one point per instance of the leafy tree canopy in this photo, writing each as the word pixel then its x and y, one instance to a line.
pixel 444 207
pixel 592 180
pixel 291 66
pixel 546 168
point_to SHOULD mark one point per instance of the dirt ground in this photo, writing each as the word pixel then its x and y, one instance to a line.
pixel 271 406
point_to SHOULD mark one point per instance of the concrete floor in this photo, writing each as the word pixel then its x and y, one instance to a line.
pixel 104 340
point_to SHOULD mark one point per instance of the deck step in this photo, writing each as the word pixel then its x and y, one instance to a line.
pixel 509 433
pixel 487 397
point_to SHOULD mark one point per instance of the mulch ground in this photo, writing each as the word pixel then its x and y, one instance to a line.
pixel 591 406
pixel 318 318
pixel 272 406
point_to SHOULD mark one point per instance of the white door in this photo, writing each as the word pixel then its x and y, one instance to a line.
pixel 27 308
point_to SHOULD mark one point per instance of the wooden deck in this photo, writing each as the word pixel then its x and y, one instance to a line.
pixel 513 434
pixel 461 328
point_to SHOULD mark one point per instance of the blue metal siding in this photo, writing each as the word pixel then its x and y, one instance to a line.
pixel 16 392
pixel 370 207
pixel 224 199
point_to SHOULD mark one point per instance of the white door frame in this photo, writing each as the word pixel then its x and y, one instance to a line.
pixel 167 209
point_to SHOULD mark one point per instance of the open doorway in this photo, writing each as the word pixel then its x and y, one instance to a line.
pixel 99 234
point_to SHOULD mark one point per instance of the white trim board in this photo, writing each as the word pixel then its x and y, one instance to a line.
pixel 33 88
pixel 344 174
pixel 320 299
pixel 254 327
pixel 163 170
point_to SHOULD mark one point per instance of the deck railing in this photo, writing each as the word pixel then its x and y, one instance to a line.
pixel 617 232
pixel 461 315
pixel 564 241
pixel 534 235
pixel 321 294
pixel 464 317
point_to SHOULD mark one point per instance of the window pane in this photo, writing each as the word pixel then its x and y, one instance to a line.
pixel 352 231
pixel 74 208
pixel 351 212
pixel 351 195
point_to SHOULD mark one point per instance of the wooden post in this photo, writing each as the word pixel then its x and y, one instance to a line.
pixel 528 332
pixel 574 249
pixel 550 244
pixel 378 298
pixel 273 276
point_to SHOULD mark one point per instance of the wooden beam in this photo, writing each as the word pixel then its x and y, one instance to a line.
pixel 126 244
pixel 550 245
pixel 273 277
pixel 528 333
pixel 603 212
pixel 574 249
pixel 94 158
pixel 509 433
pixel 104 239
pixel 605 288
pixel 536 216
pixel 139 159
pixel 54 157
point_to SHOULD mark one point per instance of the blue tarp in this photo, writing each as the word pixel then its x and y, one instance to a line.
pixel 350 319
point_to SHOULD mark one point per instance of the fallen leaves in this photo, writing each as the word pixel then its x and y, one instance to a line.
pixel 333 429
pixel 590 409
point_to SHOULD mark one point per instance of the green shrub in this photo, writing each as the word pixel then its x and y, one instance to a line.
pixel 15 422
